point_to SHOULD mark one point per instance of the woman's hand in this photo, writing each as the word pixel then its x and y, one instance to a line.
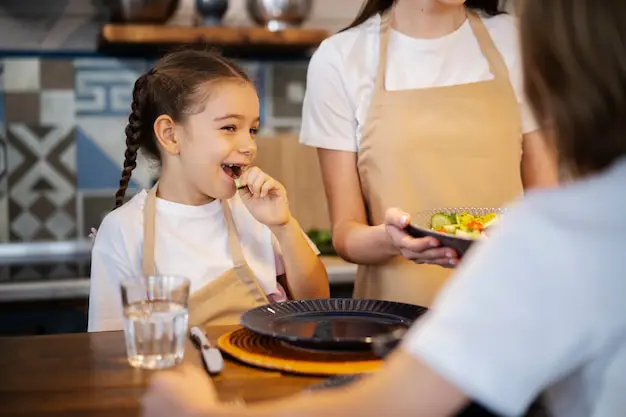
pixel 265 198
pixel 182 392
pixel 423 250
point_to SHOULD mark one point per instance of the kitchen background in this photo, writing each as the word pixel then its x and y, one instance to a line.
pixel 63 108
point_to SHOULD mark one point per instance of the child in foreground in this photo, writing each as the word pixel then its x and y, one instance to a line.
pixel 197 115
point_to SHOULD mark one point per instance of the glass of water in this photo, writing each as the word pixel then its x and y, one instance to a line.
pixel 155 320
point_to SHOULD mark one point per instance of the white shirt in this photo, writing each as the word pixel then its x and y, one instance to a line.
pixel 342 74
pixel 540 306
pixel 190 241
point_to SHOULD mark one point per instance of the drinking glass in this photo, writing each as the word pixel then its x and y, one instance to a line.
pixel 155 320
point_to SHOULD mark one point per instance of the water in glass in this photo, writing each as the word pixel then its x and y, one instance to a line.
pixel 155 333
pixel 155 320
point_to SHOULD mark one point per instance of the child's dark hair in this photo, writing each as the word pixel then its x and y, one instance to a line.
pixel 172 87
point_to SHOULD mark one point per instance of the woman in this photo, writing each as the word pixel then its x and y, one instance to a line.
pixel 418 104
pixel 540 306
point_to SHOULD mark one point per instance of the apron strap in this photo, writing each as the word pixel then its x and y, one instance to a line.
pixel 497 66
pixel 234 245
pixel 383 39
pixel 149 219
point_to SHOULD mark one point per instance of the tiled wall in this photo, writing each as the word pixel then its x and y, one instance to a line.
pixel 62 137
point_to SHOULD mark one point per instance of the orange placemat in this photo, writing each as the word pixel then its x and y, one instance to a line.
pixel 270 353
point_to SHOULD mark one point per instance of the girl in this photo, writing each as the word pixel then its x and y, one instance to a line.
pixel 197 115
pixel 539 307
pixel 418 104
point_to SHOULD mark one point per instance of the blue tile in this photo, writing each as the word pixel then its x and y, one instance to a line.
pixel 104 87
pixel 94 168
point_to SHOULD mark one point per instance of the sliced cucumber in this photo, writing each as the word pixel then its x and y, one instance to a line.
pixel 440 220
pixel 450 228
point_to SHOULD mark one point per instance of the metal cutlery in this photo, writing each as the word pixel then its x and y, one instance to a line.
pixel 211 356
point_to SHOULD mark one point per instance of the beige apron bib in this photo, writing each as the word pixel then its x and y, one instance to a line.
pixel 436 147
pixel 223 300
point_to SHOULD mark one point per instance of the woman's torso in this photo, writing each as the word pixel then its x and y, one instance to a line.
pixel 348 62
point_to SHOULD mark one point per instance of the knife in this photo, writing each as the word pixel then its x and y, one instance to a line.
pixel 211 356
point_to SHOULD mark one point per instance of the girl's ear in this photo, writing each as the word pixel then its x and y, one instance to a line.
pixel 165 132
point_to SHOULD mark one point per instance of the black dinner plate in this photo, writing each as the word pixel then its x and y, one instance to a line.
pixel 331 324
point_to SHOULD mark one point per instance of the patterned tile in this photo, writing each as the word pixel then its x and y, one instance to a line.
pixel 57 74
pixel 42 182
pixel 100 152
pixel 2 118
pixel 21 75
pixel 22 107
pixel 103 94
pixel 104 86
pixel 57 107
pixel 4 208
pixel 93 206
pixel 96 170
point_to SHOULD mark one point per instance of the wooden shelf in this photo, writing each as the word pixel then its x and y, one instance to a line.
pixel 233 38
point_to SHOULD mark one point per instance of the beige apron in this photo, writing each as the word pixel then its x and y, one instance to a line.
pixel 223 300
pixel 436 147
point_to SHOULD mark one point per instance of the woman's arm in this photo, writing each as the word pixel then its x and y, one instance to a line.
pixel 305 274
pixel 355 240
pixel 539 166
pixel 405 387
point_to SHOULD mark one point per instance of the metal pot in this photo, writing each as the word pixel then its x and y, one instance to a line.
pixel 279 14
pixel 212 11
pixel 141 11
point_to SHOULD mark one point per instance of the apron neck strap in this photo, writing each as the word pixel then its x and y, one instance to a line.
pixel 383 39
pixel 234 245
pixel 149 222
pixel 497 65
pixel 149 226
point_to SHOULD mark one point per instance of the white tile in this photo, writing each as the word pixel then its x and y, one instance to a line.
pixel 21 75
pixel 57 107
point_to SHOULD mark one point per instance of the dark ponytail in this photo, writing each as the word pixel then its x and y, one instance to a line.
pixel 372 7
pixel 134 130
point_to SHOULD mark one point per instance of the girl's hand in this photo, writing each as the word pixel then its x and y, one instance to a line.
pixel 265 198
pixel 423 250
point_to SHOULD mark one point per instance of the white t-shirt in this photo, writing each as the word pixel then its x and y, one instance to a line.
pixel 539 307
pixel 342 74
pixel 190 241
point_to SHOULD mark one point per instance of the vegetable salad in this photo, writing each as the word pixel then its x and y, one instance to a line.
pixel 463 224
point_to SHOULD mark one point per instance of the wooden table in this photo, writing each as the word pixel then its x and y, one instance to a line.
pixel 87 374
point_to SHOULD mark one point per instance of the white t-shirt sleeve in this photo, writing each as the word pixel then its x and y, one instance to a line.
pixel 509 47
pixel 529 124
pixel 108 268
pixel 328 116
pixel 278 253
pixel 506 325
